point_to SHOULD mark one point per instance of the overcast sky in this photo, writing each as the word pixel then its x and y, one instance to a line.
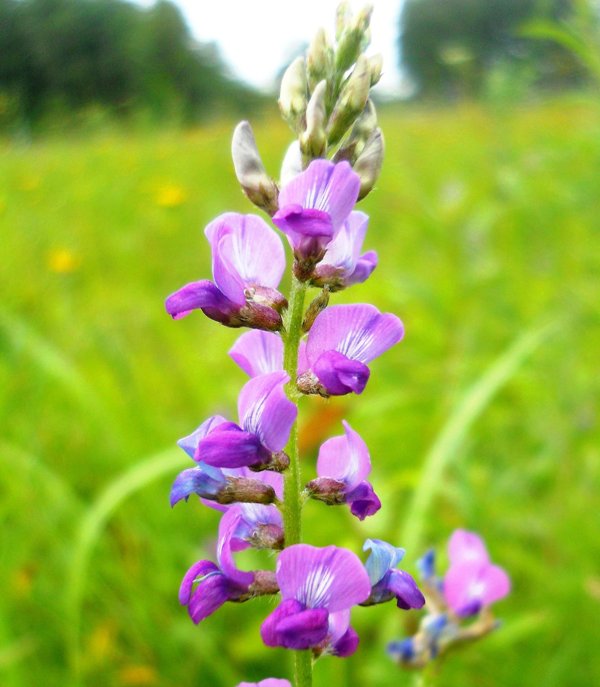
pixel 257 36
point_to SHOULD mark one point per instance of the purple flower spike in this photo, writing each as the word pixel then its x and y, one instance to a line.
pixel 342 264
pixel 342 468
pixel 215 584
pixel 266 417
pixel 472 582
pixel 313 207
pixel 258 353
pixel 387 581
pixel 314 583
pixel 342 340
pixel 269 682
pixel 248 261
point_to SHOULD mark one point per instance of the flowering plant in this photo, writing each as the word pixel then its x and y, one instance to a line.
pixel 250 469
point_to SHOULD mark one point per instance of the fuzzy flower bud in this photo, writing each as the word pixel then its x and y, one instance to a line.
pixel 250 171
pixel 313 140
pixel 317 306
pixel 375 67
pixel 319 59
pixel 368 164
pixel 351 102
pixel 363 128
pixel 292 97
pixel 343 18
pixel 353 37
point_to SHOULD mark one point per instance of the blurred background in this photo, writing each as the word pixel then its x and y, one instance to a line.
pixel 115 125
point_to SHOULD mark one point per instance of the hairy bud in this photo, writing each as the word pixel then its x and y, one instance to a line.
pixel 375 67
pixel 351 102
pixel 313 141
pixel 362 130
pixel 368 164
pixel 319 59
pixel 292 97
pixel 317 306
pixel 354 38
pixel 250 171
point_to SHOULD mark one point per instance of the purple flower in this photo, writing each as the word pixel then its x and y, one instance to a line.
pixel 342 468
pixel 266 417
pixel 315 583
pixel 248 261
pixel 342 640
pixel 216 584
pixel 313 207
pixel 269 682
pixel 342 340
pixel 342 264
pixel 220 486
pixel 386 580
pixel 258 353
pixel 257 525
pixel 472 582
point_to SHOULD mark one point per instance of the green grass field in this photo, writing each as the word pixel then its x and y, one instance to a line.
pixel 486 223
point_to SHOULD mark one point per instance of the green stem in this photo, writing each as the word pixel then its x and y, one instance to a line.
pixel 292 484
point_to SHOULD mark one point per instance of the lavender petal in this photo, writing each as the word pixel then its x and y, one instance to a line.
pixel 258 353
pixel 338 374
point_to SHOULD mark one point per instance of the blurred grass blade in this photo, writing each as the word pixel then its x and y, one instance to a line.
pixel 90 531
pixel 446 446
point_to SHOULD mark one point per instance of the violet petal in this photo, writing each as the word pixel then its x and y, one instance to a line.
pixel 190 442
pixel 198 294
pixel 210 594
pixel 258 353
pixel 197 571
pixel 338 374
pixel 345 458
pixel 363 501
pixel 268 630
pixel 466 546
pixel 230 449
pixel 405 589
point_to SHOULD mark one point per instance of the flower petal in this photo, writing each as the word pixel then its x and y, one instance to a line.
pixel 360 332
pixel 230 449
pixel 197 571
pixel 198 294
pixel 470 585
pixel 339 375
pixel 343 252
pixel 331 188
pixel 362 271
pixel 265 410
pixel 205 481
pixel 345 458
pixel 383 557
pixel 190 442
pixel 268 630
pixel 405 589
pixel 303 630
pixel 329 577
pixel 363 500
pixel 258 352
pixel 210 594
pixel 466 546
pixel 227 529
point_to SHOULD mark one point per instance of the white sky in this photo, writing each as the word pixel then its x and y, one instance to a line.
pixel 256 37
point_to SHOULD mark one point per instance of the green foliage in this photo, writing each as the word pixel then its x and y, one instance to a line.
pixel 449 47
pixel 482 239
pixel 61 57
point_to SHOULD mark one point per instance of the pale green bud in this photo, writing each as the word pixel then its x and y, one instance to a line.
pixel 351 102
pixel 293 94
pixel 368 164
pixel 360 134
pixel 319 59
pixel 313 141
pixel 343 18
pixel 354 38
pixel 250 171
pixel 375 67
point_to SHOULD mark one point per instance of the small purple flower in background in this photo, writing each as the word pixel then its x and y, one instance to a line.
pixel 314 583
pixel 216 584
pixel 472 582
pixel 342 340
pixel 313 207
pixel 342 468
pixel 266 417
pixel 386 580
pixel 248 261
pixel 269 682
pixel 343 265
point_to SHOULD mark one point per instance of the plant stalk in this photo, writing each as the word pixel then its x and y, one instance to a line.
pixel 292 483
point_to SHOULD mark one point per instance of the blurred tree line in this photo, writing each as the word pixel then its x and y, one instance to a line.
pixel 450 48
pixel 59 57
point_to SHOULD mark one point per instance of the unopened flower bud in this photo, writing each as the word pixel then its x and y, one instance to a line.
pixel 292 97
pixel 292 163
pixel 368 164
pixel 360 134
pixel 319 59
pixel 249 170
pixel 351 102
pixel 354 38
pixel 343 17
pixel 317 306
pixel 375 67
pixel 313 141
